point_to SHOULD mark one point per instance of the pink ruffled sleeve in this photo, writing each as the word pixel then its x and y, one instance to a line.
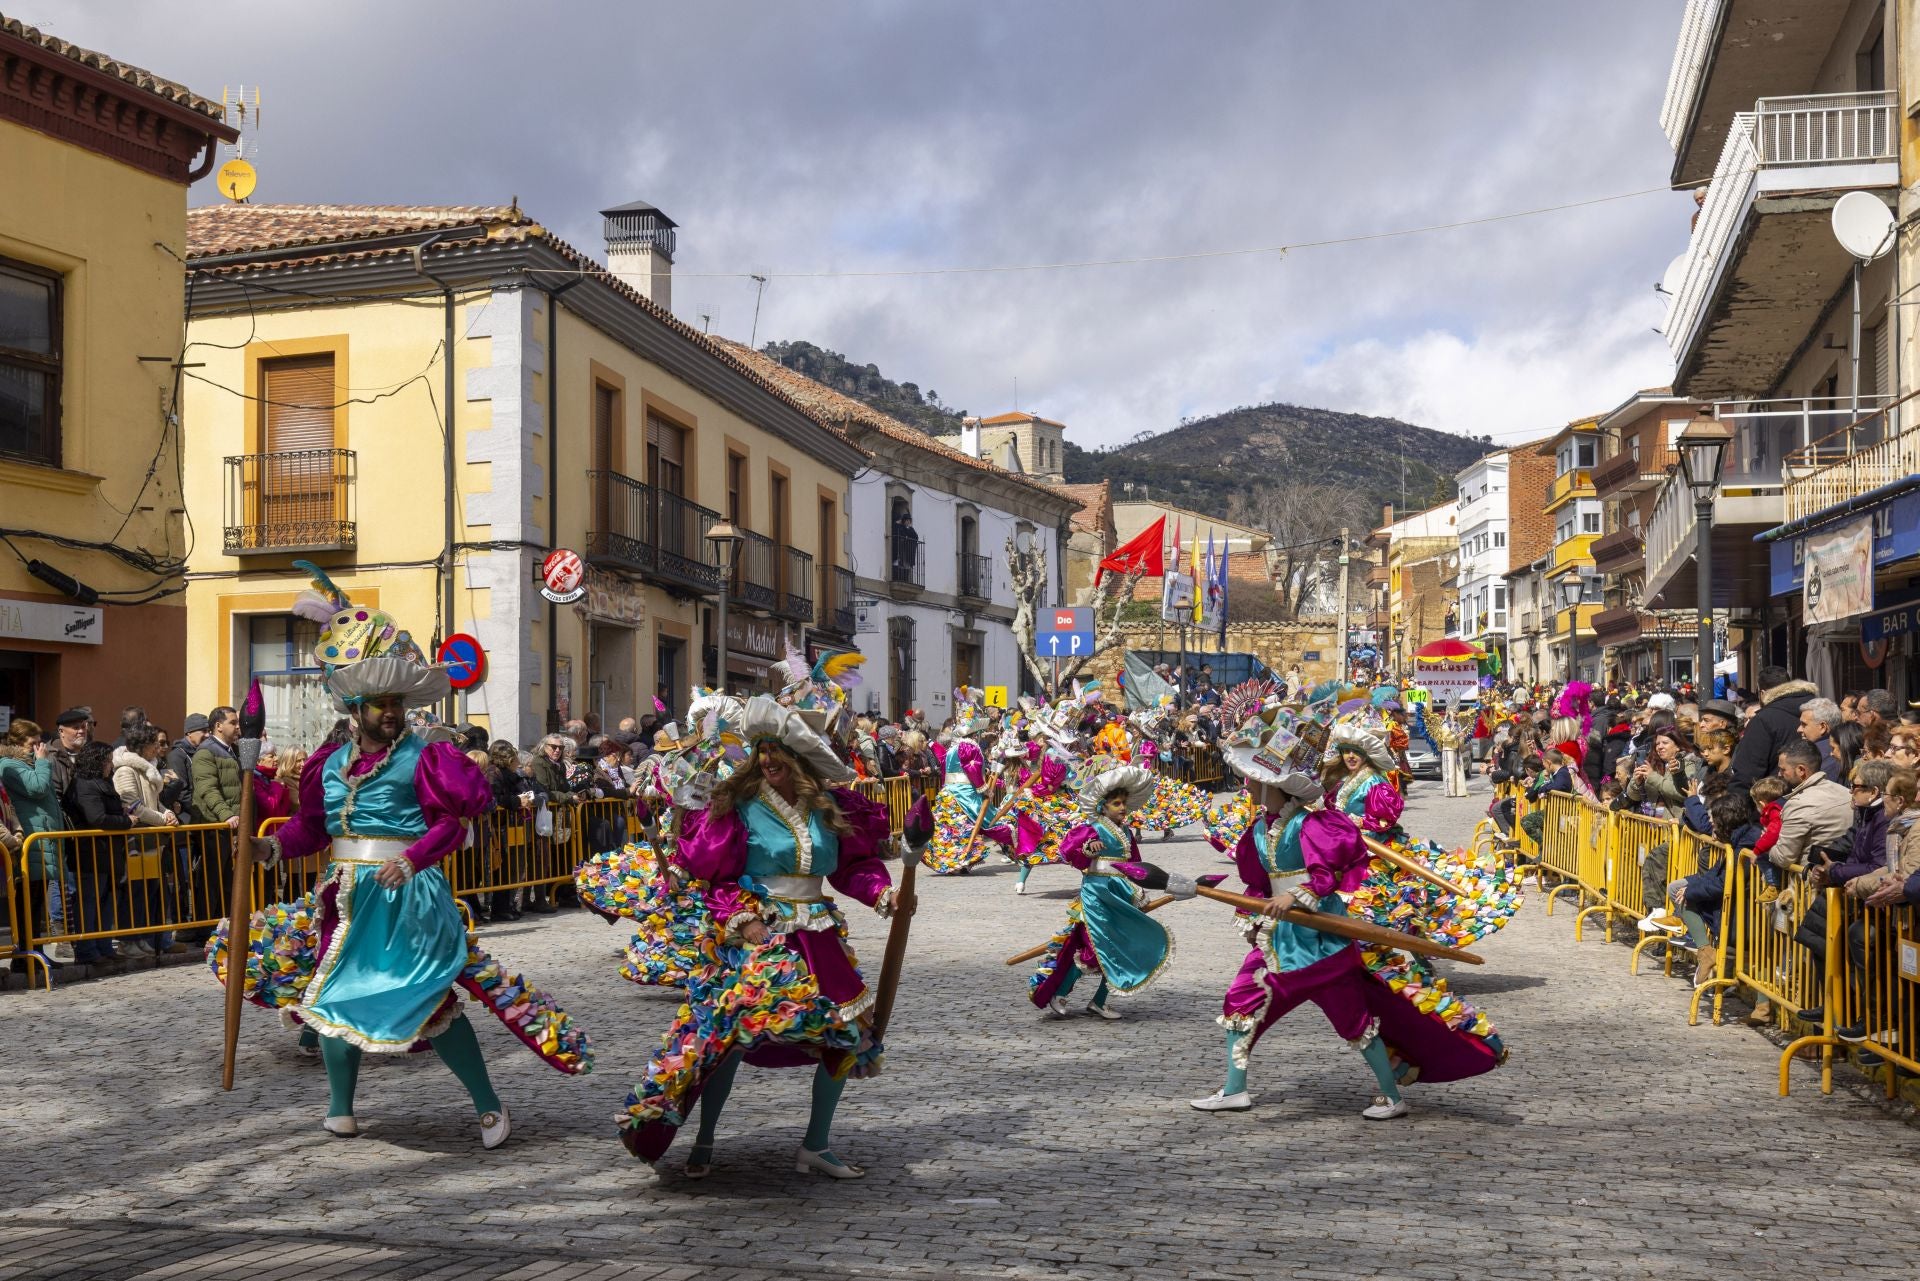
pixel 452 790
pixel 714 850
pixel 1384 807
pixel 1073 847
pixel 972 764
pixel 305 834
pixel 1335 856
pixel 861 874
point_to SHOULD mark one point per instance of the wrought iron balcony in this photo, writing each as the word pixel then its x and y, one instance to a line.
pixel 754 583
pixel 297 501
pixel 796 585
pixel 907 562
pixel 836 599
pixel 659 534
pixel 976 577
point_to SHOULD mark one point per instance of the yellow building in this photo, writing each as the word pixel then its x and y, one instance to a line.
pixel 95 160
pixel 335 340
pixel 1576 513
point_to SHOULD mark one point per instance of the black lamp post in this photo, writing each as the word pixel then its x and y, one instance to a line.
pixel 1571 589
pixel 1703 452
pixel 726 542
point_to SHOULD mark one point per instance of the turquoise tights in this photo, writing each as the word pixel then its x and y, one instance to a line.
pixel 1374 1052
pixel 457 1047
pixel 826 1101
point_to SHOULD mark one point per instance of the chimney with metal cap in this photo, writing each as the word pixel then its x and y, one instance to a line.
pixel 640 241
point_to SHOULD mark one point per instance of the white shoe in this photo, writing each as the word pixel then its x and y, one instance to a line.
pixel 342 1127
pixel 62 953
pixel 1057 1008
pixel 139 949
pixel 1111 1016
pixel 1385 1109
pixel 495 1127
pixel 817 1163
pixel 1019 887
pixel 1219 1102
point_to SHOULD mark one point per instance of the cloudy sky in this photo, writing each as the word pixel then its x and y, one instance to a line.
pixel 908 135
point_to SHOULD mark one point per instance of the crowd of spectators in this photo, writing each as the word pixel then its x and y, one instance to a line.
pixel 1813 792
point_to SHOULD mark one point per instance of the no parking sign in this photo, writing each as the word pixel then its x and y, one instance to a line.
pixel 466 662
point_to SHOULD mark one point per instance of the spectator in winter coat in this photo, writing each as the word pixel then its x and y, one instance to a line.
pixel 1866 854
pixel 216 771
pixel 1815 812
pixel 1900 878
pixel 99 866
pixel 1818 716
pixel 1776 724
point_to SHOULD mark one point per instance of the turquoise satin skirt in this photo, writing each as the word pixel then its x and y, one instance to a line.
pixel 392 961
pixel 1132 946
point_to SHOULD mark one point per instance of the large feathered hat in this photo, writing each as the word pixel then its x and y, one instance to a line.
pixel 1266 749
pixel 766 721
pixel 1136 782
pixel 363 651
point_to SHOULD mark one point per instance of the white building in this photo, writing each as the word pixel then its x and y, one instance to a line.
pixel 929 526
pixel 1481 616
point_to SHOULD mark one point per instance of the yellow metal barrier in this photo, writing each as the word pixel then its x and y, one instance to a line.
pixel 1683 861
pixel 1873 964
pixel 1562 834
pixel 1638 850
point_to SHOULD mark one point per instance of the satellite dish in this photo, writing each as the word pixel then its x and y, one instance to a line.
pixel 1674 275
pixel 1863 225
pixel 236 180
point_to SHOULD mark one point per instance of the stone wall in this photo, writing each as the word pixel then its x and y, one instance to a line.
pixel 1278 645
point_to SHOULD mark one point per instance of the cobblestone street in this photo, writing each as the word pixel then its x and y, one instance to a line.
pixel 1617 1142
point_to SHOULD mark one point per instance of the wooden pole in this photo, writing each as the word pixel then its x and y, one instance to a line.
pixel 1405 864
pixel 1033 952
pixel 1344 926
pixel 895 958
pixel 239 913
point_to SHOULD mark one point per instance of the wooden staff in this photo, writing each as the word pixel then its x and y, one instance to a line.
pixel 1405 864
pixel 1032 952
pixel 253 722
pixel 1343 926
pixel 895 957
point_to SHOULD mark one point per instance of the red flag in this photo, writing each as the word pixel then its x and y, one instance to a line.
pixel 1141 554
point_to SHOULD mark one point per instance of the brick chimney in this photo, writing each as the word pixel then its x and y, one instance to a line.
pixel 640 242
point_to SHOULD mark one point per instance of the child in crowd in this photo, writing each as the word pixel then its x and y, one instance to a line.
pixel 1766 798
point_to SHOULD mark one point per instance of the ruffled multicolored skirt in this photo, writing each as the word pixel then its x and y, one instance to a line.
pixel 766 1003
pixel 1174 805
pixel 1227 818
pixel 1040 823
pixel 955 848
pixel 284 951
pixel 675 934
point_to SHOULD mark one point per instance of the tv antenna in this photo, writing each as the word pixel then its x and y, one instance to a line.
pixel 237 177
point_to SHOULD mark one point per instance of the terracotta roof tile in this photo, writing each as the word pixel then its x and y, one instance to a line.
pixel 836 407
pixel 215 230
pixel 1096 505
pixel 1002 420
pixel 137 77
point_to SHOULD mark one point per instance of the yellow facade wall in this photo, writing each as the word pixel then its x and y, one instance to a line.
pixel 116 235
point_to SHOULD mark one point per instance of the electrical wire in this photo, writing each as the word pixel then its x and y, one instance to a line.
pixel 1194 256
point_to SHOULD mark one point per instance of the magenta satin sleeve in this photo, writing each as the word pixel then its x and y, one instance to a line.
pixel 451 789
pixel 714 850
pixel 861 873
pixel 1073 847
pixel 305 834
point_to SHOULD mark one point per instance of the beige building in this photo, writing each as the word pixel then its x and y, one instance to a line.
pixel 95 160
pixel 428 400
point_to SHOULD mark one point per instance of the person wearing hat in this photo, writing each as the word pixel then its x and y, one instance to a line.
pixel 1043 807
pixel 1720 714
pixel 387 809
pixel 1291 964
pixel 960 830
pixel 1106 933
pixel 786 992
pixel 1364 765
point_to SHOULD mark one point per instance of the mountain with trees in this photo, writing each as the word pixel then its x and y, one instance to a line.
pixel 865 383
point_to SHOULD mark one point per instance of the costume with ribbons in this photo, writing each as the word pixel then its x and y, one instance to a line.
pixel 794 1000
pixel 1044 811
pixel 956 812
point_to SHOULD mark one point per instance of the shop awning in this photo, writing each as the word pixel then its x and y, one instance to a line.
pixel 1893 512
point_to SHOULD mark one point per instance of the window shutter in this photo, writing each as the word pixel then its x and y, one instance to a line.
pixel 299 392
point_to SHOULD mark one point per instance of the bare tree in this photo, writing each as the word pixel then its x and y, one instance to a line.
pixel 1028 573
pixel 1304 513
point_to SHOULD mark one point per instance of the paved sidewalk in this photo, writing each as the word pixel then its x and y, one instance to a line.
pixel 1618 1142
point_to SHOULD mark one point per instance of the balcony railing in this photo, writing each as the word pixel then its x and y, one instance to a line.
pixel 1690 57
pixel 907 562
pixel 976 576
pixel 1810 132
pixel 1627 473
pixel 1850 463
pixel 796 585
pixel 650 530
pixel 1574 484
pixel 754 565
pixel 836 599
pixel 1617 551
pixel 1775 439
pixel 295 501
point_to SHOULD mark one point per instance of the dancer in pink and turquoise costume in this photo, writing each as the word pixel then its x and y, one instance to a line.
pixel 1044 811
pixel 1107 932
pixel 787 992
pixel 964 793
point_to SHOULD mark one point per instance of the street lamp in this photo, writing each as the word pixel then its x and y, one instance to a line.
pixel 1571 589
pixel 1703 452
pixel 726 542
